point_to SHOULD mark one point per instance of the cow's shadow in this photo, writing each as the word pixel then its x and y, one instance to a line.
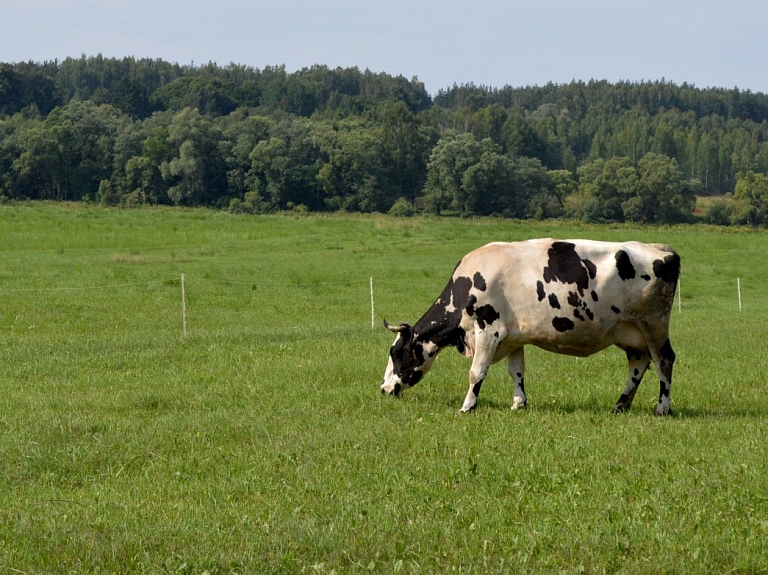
pixel 574 408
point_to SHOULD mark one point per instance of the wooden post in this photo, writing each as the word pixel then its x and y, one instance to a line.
pixel 373 315
pixel 738 288
pixel 183 306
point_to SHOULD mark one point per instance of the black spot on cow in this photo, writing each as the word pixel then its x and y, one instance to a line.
pixel 577 314
pixel 594 295
pixel 553 301
pixel 646 277
pixel 591 268
pixel 562 324
pixel 470 307
pixel 624 266
pixel 589 313
pixel 456 292
pixel 614 309
pixel 459 340
pixel 476 388
pixel 540 293
pixel 574 299
pixel 667 269
pixel 496 334
pixel 565 265
pixel 519 375
pixel 667 353
pixel 479 282
pixel 486 315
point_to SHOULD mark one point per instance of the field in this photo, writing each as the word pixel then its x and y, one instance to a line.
pixel 259 442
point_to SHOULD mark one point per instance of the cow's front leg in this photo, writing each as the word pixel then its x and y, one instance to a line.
pixel 637 363
pixel 516 368
pixel 486 343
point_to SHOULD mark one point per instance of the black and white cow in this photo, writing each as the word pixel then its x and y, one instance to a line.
pixel 573 297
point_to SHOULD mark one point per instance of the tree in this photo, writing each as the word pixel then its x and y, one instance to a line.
pixel 405 147
pixel 521 140
pixel 11 91
pixel 67 156
pixel 187 174
pixel 286 166
pixel 196 175
pixel 475 178
pixel 451 157
pixel 751 200
pixel 206 94
pixel 353 175
pixel 241 132
pixel 533 188
pixel 603 187
pixel 662 195
pixel 487 186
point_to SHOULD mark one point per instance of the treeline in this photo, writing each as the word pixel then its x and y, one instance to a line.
pixel 128 131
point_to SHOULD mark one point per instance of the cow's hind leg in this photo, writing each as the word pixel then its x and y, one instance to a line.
pixel 637 362
pixel 664 359
pixel 516 368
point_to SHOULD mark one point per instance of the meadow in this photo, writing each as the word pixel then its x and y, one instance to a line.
pixel 260 443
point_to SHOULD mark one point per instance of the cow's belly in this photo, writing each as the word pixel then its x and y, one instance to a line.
pixel 584 339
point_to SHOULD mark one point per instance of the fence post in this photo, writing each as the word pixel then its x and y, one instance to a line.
pixel 373 315
pixel 183 306
pixel 738 288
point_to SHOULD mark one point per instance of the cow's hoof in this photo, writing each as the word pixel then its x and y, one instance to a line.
pixel 516 405
pixel 620 408
pixel 469 409
pixel 663 412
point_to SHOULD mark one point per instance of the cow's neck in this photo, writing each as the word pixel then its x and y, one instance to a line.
pixel 441 325
pixel 440 329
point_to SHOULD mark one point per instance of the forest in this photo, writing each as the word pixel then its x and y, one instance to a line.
pixel 141 131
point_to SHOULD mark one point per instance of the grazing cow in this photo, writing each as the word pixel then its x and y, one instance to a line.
pixel 574 297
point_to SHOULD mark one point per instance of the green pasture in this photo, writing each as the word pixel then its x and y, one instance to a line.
pixel 260 443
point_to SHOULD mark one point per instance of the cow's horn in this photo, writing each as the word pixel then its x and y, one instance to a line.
pixel 394 328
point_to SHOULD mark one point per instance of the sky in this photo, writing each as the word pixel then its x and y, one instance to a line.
pixel 494 43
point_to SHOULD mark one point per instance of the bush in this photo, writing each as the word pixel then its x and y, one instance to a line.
pixel 402 208
pixel 720 212
pixel 107 194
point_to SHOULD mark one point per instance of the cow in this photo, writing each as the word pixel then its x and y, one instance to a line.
pixel 572 297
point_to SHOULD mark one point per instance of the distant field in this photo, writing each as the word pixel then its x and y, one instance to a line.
pixel 260 442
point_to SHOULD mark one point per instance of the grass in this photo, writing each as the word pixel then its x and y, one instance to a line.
pixel 260 443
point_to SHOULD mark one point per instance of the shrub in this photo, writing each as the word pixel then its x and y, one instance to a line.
pixel 402 208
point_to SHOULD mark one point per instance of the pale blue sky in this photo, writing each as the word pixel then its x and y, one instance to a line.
pixel 489 42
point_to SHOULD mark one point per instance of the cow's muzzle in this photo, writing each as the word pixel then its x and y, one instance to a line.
pixel 394 391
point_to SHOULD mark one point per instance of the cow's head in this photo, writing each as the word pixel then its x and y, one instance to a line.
pixel 409 360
